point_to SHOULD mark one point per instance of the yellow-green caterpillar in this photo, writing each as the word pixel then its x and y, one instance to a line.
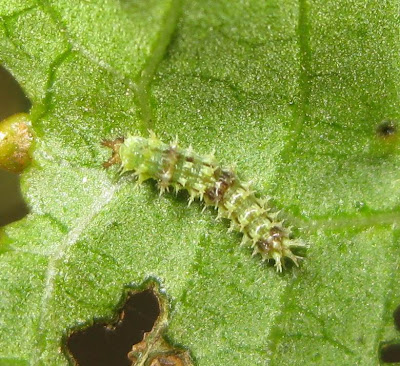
pixel 204 178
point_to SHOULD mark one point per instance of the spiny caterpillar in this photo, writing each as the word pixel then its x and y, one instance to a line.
pixel 204 178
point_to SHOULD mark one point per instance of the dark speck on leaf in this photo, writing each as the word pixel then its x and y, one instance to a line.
pixel 386 129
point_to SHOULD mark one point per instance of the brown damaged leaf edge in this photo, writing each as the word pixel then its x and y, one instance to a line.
pixel 16 139
pixel 154 350
pixel 118 342
pixel 170 360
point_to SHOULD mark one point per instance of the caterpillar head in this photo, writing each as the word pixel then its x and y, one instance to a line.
pixel 278 246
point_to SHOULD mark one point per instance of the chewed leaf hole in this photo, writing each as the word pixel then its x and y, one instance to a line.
pixel 109 343
pixel 396 317
pixel 13 206
pixel 12 101
pixel 12 97
pixel 390 353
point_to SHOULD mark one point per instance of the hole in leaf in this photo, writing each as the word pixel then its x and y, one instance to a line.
pixel 12 205
pixel 12 100
pixel 390 353
pixel 109 344
pixel 396 317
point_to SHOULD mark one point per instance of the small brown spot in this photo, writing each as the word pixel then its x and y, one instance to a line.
pixel 264 245
pixel 170 158
pixel 387 129
pixel 171 151
pixel 189 159
pixel 168 165
pixel 211 194
pixel 224 180
pixel 141 346
pixel 276 233
pixel 170 360
pixel 114 145
pixel 275 236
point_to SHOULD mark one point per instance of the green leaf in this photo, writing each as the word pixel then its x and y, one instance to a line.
pixel 293 92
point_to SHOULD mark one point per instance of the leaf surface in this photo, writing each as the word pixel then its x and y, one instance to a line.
pixel 293 93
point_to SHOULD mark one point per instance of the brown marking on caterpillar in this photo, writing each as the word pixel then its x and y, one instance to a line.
pixel 171 157
pixel 224 180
